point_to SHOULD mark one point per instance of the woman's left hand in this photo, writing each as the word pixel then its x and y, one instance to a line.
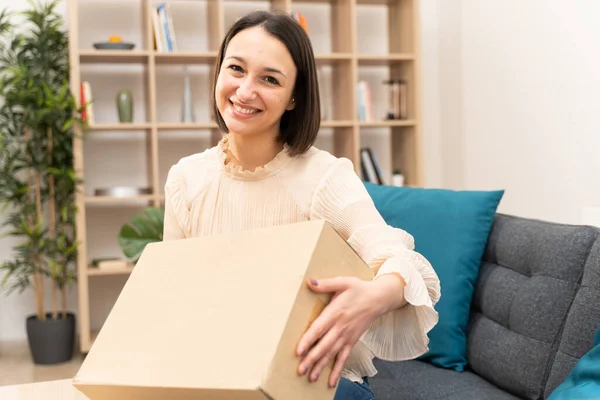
pixel 355 304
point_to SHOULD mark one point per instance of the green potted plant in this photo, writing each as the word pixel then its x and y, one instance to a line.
pixel 37 177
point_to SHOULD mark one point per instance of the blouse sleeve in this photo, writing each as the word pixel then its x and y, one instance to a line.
pixel 175 208
pixel 342 199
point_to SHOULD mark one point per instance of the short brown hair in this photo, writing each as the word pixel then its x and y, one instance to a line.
pixel 299 127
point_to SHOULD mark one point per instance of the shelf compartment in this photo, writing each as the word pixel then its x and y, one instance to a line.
pixel 403 149
pixel 170 87
pixel 387 26
pixel 113 56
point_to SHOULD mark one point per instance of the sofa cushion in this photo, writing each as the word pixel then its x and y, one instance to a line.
pixel 581 324
pixel 583 381
pixel 529 279
pixel 418 380
pixel 450 229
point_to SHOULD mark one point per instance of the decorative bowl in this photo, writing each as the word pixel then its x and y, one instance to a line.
pixel 114 46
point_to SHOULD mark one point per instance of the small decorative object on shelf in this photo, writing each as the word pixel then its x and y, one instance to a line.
pixel 125 106
pixel 114 42
pixel 122 191
pixel 398 98
pixel 397 178
pixel 187 112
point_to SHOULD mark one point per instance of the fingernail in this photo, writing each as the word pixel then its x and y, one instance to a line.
pixel 303 370
pixel 314 377
pixel 314 282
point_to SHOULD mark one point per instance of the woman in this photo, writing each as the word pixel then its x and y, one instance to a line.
pixel 265 171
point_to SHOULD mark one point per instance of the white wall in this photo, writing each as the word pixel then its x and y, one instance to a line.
pixel 109 155
pixel 530 87
pixel 449 90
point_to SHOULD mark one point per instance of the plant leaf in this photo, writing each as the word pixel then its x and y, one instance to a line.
pixel 143 228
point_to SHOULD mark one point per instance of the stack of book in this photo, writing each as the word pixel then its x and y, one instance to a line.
pixel 164 32
pixel 85 92
pixel 371 171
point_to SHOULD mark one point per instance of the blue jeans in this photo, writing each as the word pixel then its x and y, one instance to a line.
pixel 348 390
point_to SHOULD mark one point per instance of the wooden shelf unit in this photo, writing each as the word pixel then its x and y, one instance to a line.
pixel 402 59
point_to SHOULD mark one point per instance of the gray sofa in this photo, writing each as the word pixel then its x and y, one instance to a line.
pixel 535 311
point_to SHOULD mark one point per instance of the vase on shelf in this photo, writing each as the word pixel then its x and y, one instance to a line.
pixel 397 178
pixel 187 112
pixel 125 106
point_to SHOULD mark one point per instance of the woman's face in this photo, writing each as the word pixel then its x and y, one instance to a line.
pixel 255 83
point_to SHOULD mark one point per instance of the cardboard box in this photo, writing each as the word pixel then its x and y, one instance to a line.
pixel 219 317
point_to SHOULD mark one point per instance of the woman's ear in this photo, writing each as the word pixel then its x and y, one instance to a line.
pixel 291 104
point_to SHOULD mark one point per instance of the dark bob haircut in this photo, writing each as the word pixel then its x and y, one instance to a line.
pixel 299 127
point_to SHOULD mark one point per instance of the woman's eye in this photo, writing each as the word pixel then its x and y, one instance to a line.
pixel 272 80
pixel 236 68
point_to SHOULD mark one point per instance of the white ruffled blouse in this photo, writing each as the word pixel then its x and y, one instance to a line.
pixel 205 195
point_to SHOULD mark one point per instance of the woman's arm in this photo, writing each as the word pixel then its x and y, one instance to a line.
pixel 393 313
pixel 174 200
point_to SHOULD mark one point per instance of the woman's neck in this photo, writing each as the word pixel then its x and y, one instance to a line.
pixel 252 152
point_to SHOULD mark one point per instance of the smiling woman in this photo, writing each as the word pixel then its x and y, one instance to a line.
pixel 265 171
pixel 266 78
pixel 255 84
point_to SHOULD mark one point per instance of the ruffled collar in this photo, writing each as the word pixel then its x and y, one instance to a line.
pixel 263 171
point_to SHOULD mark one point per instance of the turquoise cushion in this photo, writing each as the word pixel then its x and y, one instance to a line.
pixel 451 230
pixel 583 381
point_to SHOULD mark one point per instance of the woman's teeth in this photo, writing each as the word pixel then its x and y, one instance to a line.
pixel 244 110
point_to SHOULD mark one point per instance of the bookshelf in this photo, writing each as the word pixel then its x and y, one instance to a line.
pixel 157 138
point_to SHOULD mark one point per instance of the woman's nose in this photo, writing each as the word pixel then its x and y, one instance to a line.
pixel 246 91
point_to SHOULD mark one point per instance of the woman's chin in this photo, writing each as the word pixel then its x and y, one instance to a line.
pixel 240 127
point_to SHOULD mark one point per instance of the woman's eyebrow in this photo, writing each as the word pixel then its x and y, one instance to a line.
pixel 268 69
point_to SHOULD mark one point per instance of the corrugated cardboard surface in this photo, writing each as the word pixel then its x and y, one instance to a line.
pixel 218 317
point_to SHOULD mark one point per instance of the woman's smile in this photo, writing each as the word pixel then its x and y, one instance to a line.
pixel 243 111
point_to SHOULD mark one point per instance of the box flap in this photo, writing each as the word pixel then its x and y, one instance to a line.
pixel 201 313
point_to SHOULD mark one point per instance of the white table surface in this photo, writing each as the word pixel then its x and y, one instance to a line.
pixel 51 390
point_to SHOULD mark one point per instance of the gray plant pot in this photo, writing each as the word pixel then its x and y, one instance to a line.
pixel 51 341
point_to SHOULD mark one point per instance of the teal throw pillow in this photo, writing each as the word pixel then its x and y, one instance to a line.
pixel 451 230
pixel 583 381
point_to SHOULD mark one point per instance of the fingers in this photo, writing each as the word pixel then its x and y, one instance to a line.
pixel 329 315
pixel 336 371
pixel 316 330
pixel 321 355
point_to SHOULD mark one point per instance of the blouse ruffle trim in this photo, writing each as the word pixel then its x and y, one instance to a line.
pixel 263 171
pixel 401 334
